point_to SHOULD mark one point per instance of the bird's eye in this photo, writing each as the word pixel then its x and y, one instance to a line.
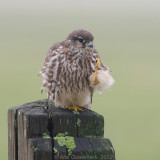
pixel 81 40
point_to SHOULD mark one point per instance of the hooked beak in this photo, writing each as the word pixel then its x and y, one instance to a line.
pixel 90 44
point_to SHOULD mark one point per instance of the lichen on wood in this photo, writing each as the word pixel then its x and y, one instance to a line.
pixel 67 141
pixel 37 132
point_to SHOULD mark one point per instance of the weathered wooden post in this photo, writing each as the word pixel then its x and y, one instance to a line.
pixel 36 132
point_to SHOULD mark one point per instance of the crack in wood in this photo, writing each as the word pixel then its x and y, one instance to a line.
pixel 50 129
pixel 29 122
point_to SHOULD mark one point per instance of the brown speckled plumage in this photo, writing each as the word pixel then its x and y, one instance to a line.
pixel 67 69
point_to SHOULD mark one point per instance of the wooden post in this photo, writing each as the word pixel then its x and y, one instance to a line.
pixel 34 131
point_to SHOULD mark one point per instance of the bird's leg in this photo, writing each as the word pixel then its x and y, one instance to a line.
pixel 74 107
pixel 96 68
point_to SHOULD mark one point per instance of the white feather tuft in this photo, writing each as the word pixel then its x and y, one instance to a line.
pixel 105 80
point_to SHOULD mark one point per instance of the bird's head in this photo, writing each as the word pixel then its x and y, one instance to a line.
pixel 81 39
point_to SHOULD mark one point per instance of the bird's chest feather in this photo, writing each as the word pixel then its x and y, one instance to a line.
pixel 77 72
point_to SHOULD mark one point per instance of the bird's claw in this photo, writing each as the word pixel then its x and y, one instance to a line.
pixel 74 107
pixel 96 68
pixel 97 63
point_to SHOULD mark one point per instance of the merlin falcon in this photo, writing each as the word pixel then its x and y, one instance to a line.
pixel 73 70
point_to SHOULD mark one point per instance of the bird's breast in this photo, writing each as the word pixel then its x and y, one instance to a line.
pixel 77 73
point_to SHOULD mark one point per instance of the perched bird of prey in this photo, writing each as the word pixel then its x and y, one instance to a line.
pixel 73 70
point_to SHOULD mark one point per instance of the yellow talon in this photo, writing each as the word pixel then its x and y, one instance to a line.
pixel 97 62
pixel 74 107
pixel 96 68
pixel 68 107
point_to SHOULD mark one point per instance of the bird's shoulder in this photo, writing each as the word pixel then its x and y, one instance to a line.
pixel 58 48
pixel 54 55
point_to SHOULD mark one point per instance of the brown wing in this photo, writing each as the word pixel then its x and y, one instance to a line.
pixel 52 68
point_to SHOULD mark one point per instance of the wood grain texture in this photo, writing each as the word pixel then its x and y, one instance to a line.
pixel 13 133
pixel 88 148
pixel 40 149
pixel 28 123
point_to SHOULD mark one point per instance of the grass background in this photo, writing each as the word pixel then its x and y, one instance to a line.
pixel 127 36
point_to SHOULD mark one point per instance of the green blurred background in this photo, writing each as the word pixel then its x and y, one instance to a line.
pixel 127 36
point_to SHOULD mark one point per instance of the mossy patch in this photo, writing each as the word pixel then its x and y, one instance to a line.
pixel 50 115
pixel 36 149
pixel 78 122
pixel 56 151
pixel 75 112
pixel 92 127
pixel 64 140
pixel 45 135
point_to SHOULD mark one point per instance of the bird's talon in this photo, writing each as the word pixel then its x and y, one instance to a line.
pixel 68 107
pixel 97 62
pixel 74 107
pixel 96 68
